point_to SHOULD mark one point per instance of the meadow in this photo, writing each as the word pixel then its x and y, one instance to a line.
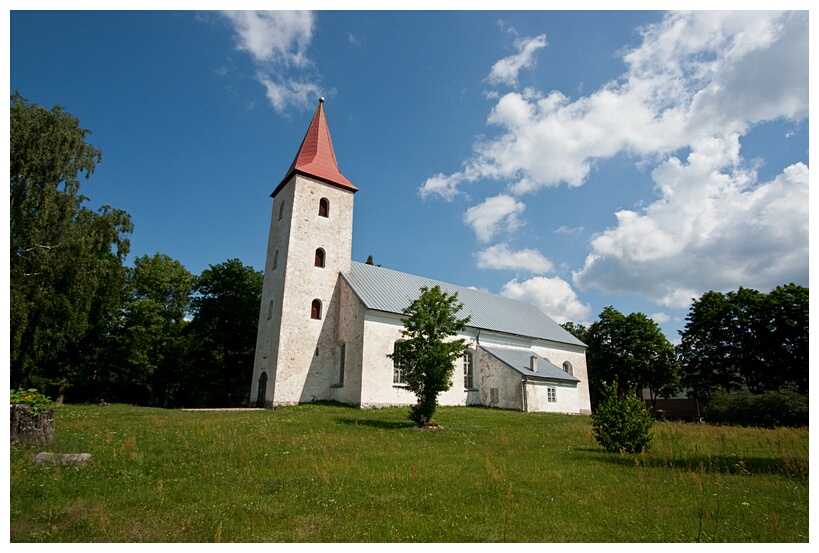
pixel 329 473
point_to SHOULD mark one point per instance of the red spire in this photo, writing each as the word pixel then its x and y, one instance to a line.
pixel 316 157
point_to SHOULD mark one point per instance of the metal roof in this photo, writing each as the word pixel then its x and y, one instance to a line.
pixel 518 359
pixel 392 291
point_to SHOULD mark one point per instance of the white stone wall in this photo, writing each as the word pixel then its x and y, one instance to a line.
pixel 537 399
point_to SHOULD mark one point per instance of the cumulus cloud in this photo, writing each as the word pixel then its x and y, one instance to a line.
pixel 494 214
pixel 694 87
pixel 501 257
pixel 505 71
pixel 277 41
pixel 554 296
pixel 696 74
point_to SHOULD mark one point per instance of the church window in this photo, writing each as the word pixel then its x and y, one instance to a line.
pixel 398 375
pixel 269 310
pixel 281 211
pixel 315 310
pixel 275 259
pixel 468 371
pixel 567 367
pixel 551 393
pixel 324 207
pixel 319 258
pixel 342 354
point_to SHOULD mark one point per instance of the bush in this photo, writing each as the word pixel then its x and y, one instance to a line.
pixel 31 397
pixel 622 425
pixel 766 410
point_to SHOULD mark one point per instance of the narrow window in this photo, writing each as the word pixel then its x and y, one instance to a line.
pixel 324 208
pixel 315 310
pixel 567 367
pixel 398 376
pixel 269 310
pixel 342 354
pixel 551 392
pixel 281 211
pixel 468 380
pixel 275 259
pixel 319 258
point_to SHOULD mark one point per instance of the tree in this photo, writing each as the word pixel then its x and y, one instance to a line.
pixel 577 330
pixel 621 424
pixel 426 355
pixel 62 254
pixel 632 351
pixel 223 333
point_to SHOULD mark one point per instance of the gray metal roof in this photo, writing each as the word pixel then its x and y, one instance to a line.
pixel 518 359
pixel 392 291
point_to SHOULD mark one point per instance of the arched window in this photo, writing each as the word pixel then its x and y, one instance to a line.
pixel 281 211
pixel 567 367
pixel 269 310
pixel 324 207
pixel 275 259
pixel 468 370
pixel 315 310
pixel 262 393
pixel 319 258
pixel 342 360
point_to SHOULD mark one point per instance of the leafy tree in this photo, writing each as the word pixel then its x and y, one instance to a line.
pixel 746 338
pixel 620 423
pixel 632 351
pixel 158 289
pixel 62 253
pixel 577 330
pixel 427 356
pixel 223 333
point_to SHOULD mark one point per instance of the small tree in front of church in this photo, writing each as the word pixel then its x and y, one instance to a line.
pixel 427 355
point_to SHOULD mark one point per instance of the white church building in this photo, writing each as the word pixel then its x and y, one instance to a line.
pixel 327 323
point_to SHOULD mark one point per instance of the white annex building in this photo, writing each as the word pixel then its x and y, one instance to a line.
pixel 327 323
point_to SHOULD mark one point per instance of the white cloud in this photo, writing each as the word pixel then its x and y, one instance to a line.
pixel 501 257
pixel 696 74
pixel 697 84
pixel 554 296
pixel 660 317
pixel 278 42
pixel 494 214
pixel 506 71
pixel 280 37
pixel 441 185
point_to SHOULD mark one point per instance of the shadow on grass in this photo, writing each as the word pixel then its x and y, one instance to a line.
pixel 722 464
pixel 388 425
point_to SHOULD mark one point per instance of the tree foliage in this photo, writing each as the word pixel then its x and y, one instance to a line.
pixel 632 351
pixel 427 354
pixel 63 254
pixel 223 332
pixel 746 339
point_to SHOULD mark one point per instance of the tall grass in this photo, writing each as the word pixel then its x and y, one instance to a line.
pixel 325 473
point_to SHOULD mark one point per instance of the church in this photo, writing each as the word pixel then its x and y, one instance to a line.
pixel 327 323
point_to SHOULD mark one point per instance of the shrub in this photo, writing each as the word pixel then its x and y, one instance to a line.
pixel 621 424
pixel 31 397
pixel 767 410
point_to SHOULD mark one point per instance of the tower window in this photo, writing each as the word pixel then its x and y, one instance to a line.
pixel 270 310
pixel 567 367
pixel 315 310
pixel 275 259
pixel 319 258
pixel 281 211
pixel 324 207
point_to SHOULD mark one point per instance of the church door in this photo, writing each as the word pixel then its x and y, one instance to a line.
pixel 260 397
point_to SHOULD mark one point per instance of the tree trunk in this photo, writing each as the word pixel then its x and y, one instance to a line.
pixel 30 427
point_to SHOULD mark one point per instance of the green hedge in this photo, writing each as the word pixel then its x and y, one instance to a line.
pixel 767 410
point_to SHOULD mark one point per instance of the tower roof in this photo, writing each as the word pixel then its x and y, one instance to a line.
pixel 316 157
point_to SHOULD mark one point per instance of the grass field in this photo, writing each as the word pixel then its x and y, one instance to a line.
pixel 326 473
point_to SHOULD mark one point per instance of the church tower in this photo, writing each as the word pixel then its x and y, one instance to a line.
pixel 309 245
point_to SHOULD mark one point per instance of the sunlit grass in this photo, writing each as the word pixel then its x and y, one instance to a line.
pixel 324 473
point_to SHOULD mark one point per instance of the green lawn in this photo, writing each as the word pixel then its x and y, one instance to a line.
pixel 325 473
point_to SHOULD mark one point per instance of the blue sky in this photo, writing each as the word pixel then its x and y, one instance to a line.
pixel 575 160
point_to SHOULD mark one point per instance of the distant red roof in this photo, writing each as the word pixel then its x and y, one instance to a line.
pixel 316 157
